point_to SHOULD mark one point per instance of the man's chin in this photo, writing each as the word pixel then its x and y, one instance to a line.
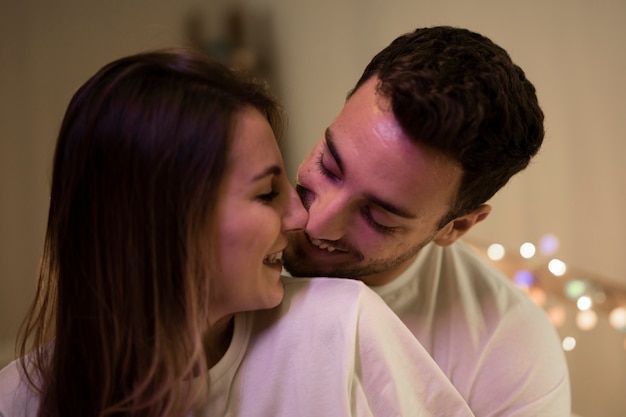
pixel 297 263
pixel 303 259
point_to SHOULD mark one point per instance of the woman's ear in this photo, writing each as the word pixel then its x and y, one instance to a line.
pixel 456 228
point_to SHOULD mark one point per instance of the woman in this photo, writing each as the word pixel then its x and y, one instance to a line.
pixel 160 287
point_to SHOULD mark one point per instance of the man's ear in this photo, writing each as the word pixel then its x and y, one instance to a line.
pixel 456 228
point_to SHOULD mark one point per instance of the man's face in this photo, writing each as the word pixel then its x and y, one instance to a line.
pixel 374 197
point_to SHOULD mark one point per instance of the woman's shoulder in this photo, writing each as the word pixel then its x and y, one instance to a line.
pixel 10 377
pixel 323 284
pixel 341 291
pixel 328 296
pixel 330 309
pixel 16 395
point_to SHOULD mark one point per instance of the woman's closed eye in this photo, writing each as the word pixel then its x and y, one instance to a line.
pixel 268 197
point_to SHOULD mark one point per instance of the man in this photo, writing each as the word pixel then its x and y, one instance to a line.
pixel 439 121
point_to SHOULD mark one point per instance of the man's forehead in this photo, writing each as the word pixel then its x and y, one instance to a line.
pixel 367 142
pixel 377 192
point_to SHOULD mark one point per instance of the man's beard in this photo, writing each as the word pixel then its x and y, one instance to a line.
pixel 294 260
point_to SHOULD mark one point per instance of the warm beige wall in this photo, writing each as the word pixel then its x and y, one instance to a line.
pixel 47 50
pixel 572 51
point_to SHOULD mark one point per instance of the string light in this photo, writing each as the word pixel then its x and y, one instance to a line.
pixel 495 252
pixel 575 288
pixel 592 296
pixel 524 278
pixel 527 250
pixel 586 320
pixel 557 316
pixel 569 343
pixel 549 244
pixel 617 318
pixel 584 303
pixel 557 267
pixel 538 295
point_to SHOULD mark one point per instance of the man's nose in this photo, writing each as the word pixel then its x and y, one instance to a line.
pixel 329 217
pixel 296 216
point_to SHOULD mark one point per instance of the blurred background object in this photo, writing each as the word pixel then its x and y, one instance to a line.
pixel 236 36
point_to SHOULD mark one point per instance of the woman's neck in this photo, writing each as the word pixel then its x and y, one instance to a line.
pixel 217 340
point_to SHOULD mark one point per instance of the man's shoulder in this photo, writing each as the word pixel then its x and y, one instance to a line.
pixel 453 285
pixel 462 271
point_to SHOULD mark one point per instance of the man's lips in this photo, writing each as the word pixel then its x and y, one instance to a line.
pixel 325 245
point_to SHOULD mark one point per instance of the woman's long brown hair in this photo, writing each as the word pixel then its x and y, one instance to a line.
pixel 117 324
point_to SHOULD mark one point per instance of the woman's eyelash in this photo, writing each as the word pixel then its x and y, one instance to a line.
pixel 269 196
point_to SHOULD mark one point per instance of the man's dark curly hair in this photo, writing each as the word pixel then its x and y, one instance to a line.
pixel 458 93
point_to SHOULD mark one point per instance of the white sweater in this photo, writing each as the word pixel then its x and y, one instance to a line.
pixel 492 341
pixel 331 349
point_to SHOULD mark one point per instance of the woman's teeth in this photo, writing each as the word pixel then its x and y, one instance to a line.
pixel 323 245
pixel 273 258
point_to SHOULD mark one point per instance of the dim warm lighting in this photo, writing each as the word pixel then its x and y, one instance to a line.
pixel 549 244
pixel 527 250
pixel 569 343
pixel 599 297
pixel 575 288
pixel 584 303
pixel 586 320
pixel 538 295
pixel 524 278
pixel 557 315
pixel 592 297
pixel 495 252
pixel 617 318
pixel 557 267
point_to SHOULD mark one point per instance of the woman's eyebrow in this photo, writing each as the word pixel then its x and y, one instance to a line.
pixel 272 170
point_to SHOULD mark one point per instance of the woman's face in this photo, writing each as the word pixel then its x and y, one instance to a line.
pixel 257 207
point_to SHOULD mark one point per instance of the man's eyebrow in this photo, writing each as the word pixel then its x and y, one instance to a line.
pixel 272 170
pixel 330 144
pixel 390 207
